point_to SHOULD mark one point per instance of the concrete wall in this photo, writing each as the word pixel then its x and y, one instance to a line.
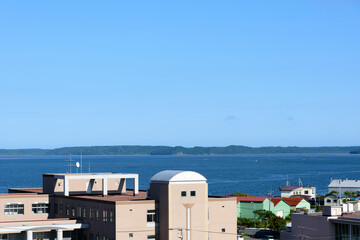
pixel 98 226
pixel 81 186
pixel 160 193
pixel 222 216
pixel 311 226
pixel 132 220
pixel 27 200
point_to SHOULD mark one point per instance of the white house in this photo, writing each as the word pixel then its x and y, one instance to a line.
pixel 342 186
pixel 289 191
pixel 331 200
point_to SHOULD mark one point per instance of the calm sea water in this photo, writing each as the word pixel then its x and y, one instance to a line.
pixel 253 174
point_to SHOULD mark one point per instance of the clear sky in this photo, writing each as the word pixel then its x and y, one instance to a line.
pixel 190 73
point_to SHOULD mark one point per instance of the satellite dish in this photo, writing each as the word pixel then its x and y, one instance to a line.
pixel 77 164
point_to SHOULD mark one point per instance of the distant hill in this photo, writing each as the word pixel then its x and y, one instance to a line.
pixel 166 150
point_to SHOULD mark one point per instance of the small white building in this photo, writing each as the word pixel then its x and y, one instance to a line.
pixel 303 191
pixel 331 200
pixel 342 186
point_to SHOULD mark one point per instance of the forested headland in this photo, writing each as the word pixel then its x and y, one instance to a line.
pixel 167 150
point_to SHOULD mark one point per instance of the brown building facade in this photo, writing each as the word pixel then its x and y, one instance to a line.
pixel 98 206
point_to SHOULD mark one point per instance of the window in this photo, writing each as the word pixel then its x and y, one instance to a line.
pixel 111 216
pixel 61 209
pixel 193 193
pixel 84 212
pixel 152 237
pixel 67 210
pixel 39 208
pixel 14 209
pixel 97 237
pixel 104 214
pixel 73 211
pixel 183 193
pixel 97 214
pixel 306 192
pixel 91 237
pixel 79 211
pixel 131 235
pixel 151 216
pixel 3 236
pixel 328 200
pixel 223 230
pixel 91 213
pixel 56 208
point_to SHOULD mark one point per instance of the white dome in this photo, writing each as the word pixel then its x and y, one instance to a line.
pixel 172 176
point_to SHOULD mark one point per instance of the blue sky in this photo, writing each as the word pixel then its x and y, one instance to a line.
pixel 190 73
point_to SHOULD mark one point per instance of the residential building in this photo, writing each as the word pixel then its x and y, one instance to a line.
pixel 298 191
pixel 98 206
pixel 342 186
pixel 247 205
pixel 331 224
pixel 331 200
pixel 294 202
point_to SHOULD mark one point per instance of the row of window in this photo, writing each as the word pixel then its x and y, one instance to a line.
pixel 81 212
pixel 97 237
pixel 148 236
pixel 192 193
pixel 18 209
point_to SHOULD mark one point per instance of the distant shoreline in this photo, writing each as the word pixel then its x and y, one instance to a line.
pixel 135 150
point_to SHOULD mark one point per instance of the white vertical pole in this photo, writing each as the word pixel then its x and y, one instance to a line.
pixel 136 185
pixel 105 186
pixel 29 235
pixel 59 234
pixel 188 224
pixel 66 186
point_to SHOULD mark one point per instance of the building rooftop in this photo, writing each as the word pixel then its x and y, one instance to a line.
pixel 344 183
pixel 171 176
pixel 128 196
pixel 276 201
pixel 290 188
pixel 293 201
pixel 250 199
pixel 25 190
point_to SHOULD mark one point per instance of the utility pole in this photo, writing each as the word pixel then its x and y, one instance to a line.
pixel 269 196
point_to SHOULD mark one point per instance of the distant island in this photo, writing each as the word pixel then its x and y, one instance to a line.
pixel 166 150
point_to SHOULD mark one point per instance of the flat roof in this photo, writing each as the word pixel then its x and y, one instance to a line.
pixel 128 196
pixel 250 199
pixel 26 190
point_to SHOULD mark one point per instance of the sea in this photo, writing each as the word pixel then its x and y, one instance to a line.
pixel 255 174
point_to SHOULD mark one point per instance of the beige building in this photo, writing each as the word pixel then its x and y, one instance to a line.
pixel 98 206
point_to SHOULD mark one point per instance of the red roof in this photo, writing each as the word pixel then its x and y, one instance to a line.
pixel 250 199
pixel 276 201
pixel 294 201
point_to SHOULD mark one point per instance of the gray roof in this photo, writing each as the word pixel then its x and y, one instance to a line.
pixel 344 183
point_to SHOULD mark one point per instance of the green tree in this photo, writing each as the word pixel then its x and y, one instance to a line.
pixel 350 194
pixel 277 223
pixel 288 217
pixel 240 194
pixel 264 217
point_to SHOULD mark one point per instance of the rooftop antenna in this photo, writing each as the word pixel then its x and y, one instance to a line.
pixel 77 164
pixel 287 180
pixel 70 163
pixel 81 161
pixel 300 183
